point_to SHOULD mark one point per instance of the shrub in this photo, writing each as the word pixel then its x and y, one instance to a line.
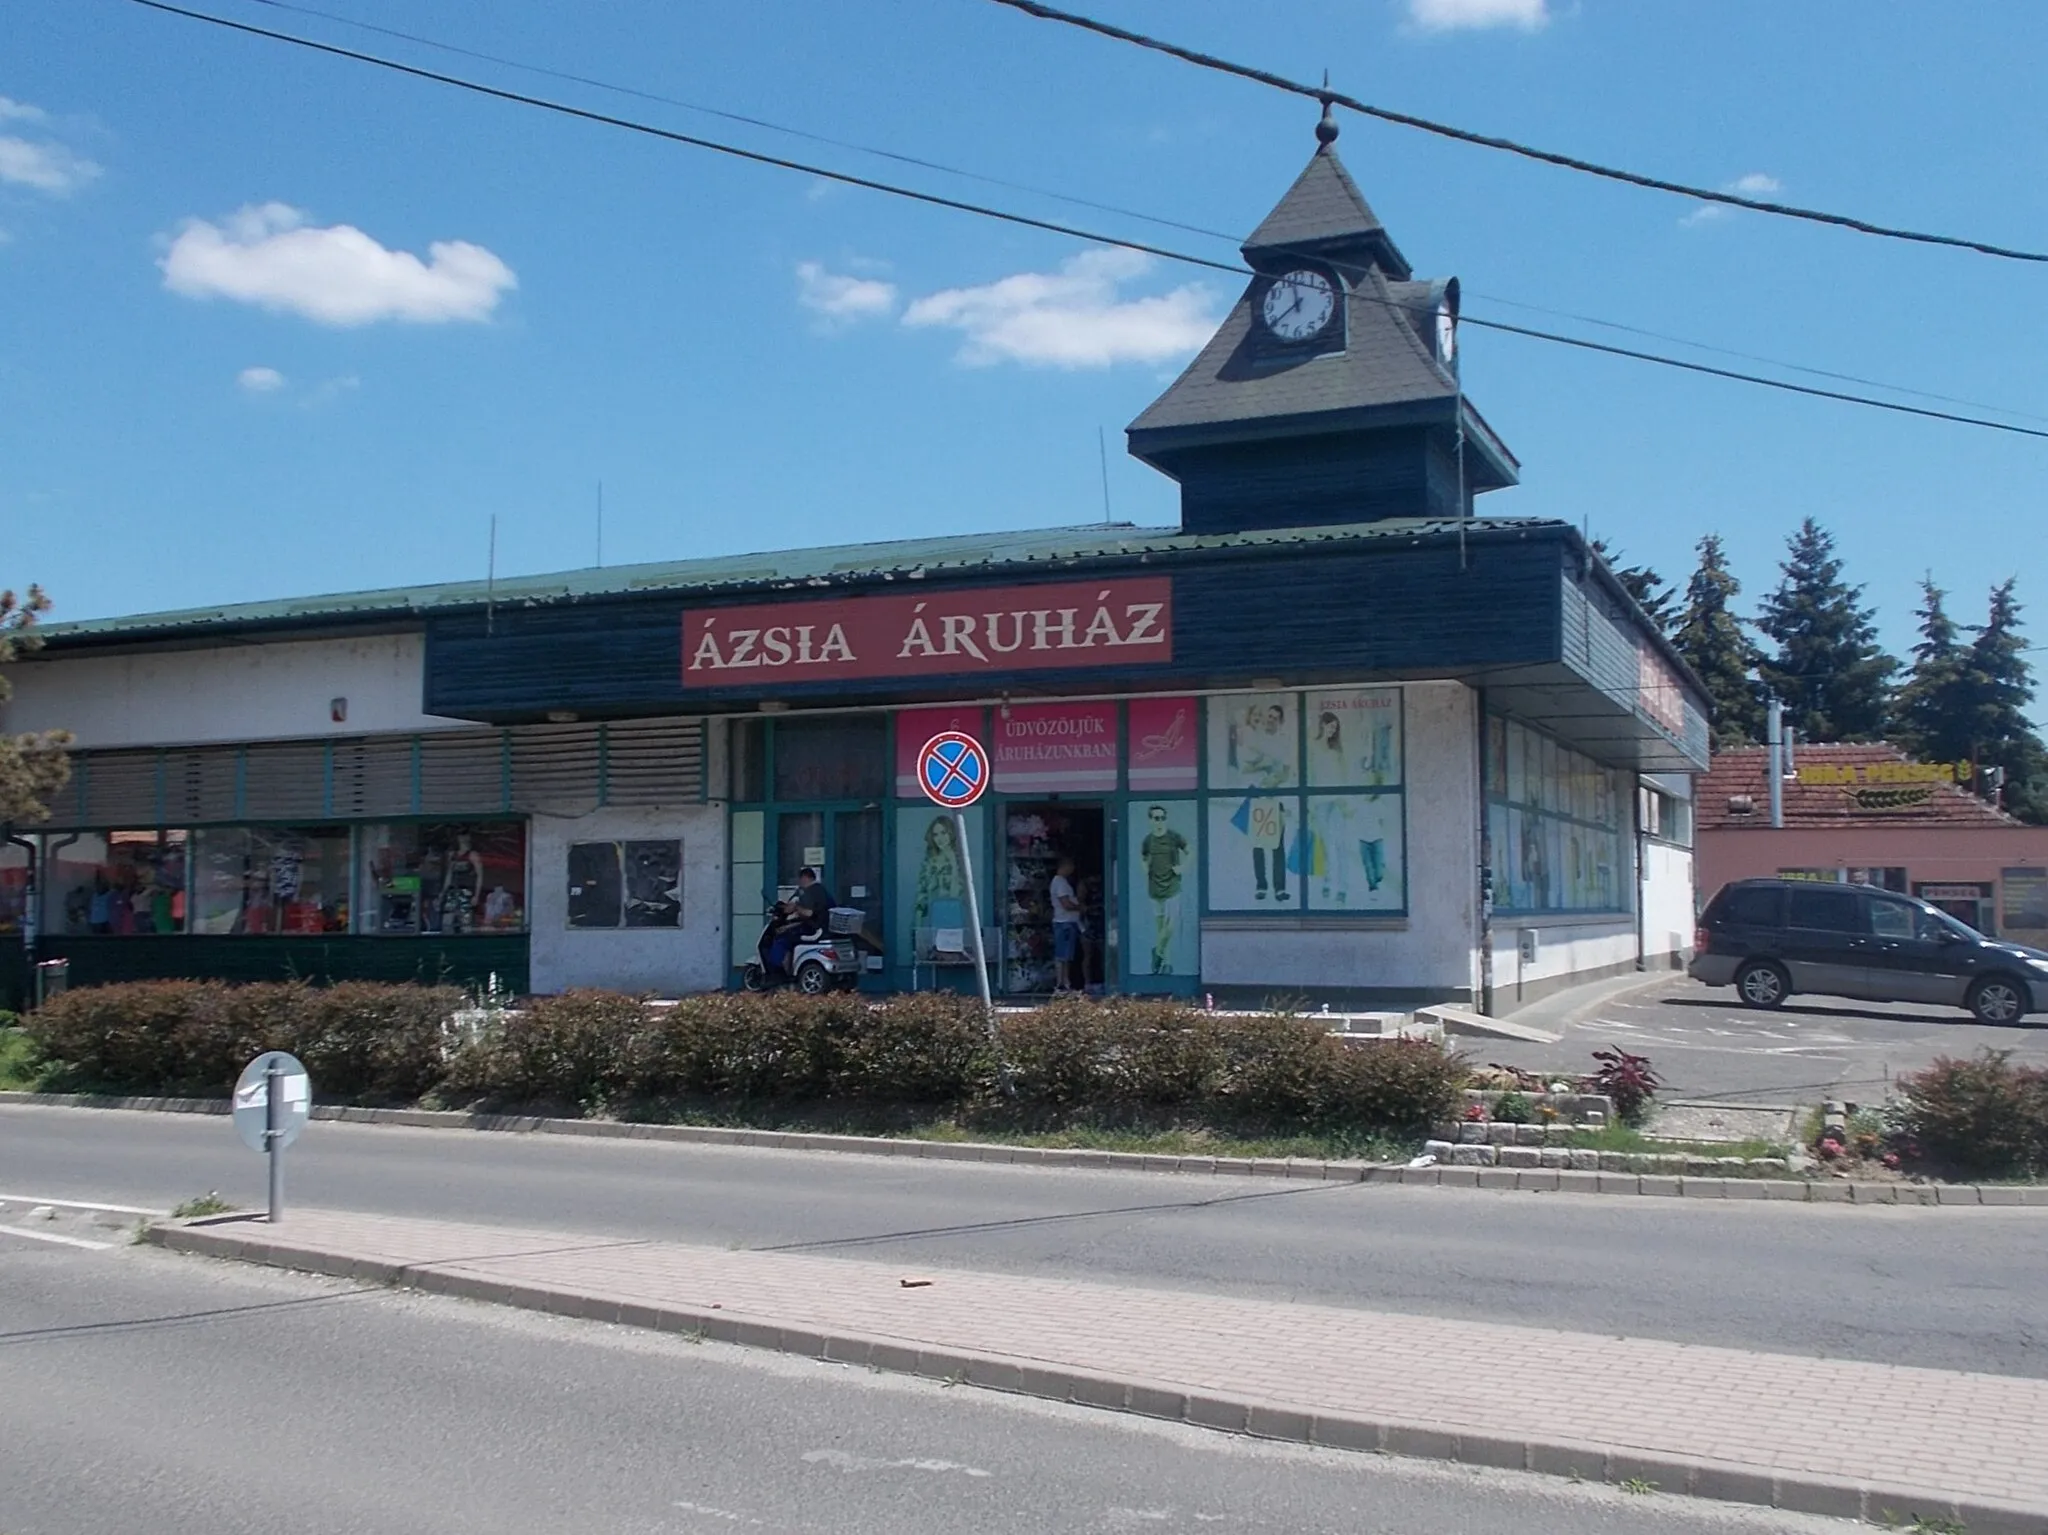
pixel 569 1049
pixel 926 1048
pixel 1628 1080
pixel 1400 1086
pixel 358 1039
pixel 1977 1118
pixel 1514 1108
pixel 1116 1055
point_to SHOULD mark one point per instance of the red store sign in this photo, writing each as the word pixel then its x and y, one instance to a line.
pixel 999 629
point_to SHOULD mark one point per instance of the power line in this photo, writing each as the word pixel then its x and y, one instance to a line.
pixel 1489 141
pixel 983 210
pixel 1120 210
pixel 740 117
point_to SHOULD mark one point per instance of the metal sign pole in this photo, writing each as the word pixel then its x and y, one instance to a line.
pixel 988 1006
pixel 273 1134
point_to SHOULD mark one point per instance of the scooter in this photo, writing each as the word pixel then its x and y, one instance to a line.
pixel 821 959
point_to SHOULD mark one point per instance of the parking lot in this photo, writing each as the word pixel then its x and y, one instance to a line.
pixel 1708 1048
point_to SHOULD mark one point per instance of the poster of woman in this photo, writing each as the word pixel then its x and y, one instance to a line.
pixel 1354 738
pixel 928 875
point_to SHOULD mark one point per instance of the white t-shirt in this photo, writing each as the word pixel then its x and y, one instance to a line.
pixel 1063 890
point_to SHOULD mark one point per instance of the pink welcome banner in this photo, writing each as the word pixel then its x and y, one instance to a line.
pixel 1055 749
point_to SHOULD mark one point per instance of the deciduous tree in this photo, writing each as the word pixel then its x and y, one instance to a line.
pixel 32 767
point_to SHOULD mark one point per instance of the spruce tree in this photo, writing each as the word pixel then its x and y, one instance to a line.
pixel 1827 669
pixel 1653 594
pixel 1931 714
pixel 1999 686
pixel 1710 637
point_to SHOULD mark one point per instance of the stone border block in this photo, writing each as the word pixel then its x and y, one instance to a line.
pixel 1817 1495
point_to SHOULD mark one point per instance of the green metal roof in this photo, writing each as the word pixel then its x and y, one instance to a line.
pixel 834 565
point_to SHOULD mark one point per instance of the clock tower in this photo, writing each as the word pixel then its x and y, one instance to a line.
pixel 1331 393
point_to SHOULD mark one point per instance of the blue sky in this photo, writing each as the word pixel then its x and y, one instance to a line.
pixel 274 324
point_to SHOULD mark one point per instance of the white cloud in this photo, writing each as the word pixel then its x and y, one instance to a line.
pixel 1755 184
pixel 332 389
pixel 260 380
pixel 1476 15
pixel 44 167
pixel 20 112
pixel 841 298
pixel 1072 318
pixel 269 256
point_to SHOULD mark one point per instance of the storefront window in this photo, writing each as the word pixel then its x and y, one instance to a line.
pixel 1254 741
pixel 116 884
pixel 1557 835
pixel 834 757
pixel 443 877
pixel 748 872
pixel 2023 901
pixel 13 886
pixel 748 752
pixel 265 879
pixel 932 896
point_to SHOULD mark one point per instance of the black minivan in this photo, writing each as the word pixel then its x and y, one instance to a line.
pixel 1769 938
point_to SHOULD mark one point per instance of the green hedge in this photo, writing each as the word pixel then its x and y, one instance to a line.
pixel 1120 1060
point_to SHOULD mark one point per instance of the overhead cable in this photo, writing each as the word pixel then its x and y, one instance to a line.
pixel 982 210
pixel 1511 146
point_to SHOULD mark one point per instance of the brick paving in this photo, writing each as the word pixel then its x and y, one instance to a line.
pixel 1513 1395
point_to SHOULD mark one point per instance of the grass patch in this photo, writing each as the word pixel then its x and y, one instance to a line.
pixel 1627 1138
pixel 21 1063
pixel 1156 1136
pixel 205 1204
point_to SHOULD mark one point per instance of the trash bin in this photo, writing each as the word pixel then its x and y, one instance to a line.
pixel 53 979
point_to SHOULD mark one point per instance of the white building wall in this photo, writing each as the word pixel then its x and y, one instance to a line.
pixel 1435 948
pixel 228 693
pixel 1669 910
pixel 666 961
pixel 1565 947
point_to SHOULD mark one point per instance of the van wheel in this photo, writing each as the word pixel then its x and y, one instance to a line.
pixel 1761 984
pixel 1998 999
pixel 813 979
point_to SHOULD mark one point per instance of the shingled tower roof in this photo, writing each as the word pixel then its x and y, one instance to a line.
pixel 1385 369
pixel 1325 213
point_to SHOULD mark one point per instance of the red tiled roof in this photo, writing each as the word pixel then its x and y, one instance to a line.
pixel 1838 786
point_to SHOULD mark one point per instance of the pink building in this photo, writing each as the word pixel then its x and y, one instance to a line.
pixel 1869 815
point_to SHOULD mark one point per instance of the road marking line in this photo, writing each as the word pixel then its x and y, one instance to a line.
pixel 51 1236
pixel 75 1204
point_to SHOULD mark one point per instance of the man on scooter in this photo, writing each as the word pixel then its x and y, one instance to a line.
pixel 802 913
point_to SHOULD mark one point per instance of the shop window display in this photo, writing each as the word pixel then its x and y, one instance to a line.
pixel 447 878
pixel 116 884
pixel 1037 839
pixel 1554 820
pixel 270 880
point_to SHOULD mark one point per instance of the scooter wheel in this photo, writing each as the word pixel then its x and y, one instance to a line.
pixel 753 978
pixel 813 979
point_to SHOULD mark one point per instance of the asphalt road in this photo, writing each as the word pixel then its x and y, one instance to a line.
pixel 1948 1288
pixel 1810 1050
pixel 182 1397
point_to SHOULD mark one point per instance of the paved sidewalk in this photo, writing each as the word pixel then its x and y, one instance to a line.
pixel 1824 1436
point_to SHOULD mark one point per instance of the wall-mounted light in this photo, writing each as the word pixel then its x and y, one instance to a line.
pixel 1267 684
pixel 561 716
pixel 774 706
pixel 337 710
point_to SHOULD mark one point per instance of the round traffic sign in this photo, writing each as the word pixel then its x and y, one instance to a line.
pixel 952 769
pixel 252 1099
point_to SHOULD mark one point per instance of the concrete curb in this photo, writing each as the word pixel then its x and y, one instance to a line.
pixel 1527 1180
pixel 1260 1419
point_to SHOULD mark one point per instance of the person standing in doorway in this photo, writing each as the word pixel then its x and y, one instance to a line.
pixel 1066 926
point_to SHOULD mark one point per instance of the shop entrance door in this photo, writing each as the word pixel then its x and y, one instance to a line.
pixel 845 847
pixel 1036 836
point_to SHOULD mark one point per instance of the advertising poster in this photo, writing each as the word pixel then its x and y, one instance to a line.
pixel 1254 852
pixel 934 900
pixel 1352 857
pixel 1254 741
pixel 1165 933
pixel 1162 748
pixel 1055 749
pixel 1354 738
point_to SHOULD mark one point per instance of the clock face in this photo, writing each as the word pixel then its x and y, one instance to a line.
pixel 1299 305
